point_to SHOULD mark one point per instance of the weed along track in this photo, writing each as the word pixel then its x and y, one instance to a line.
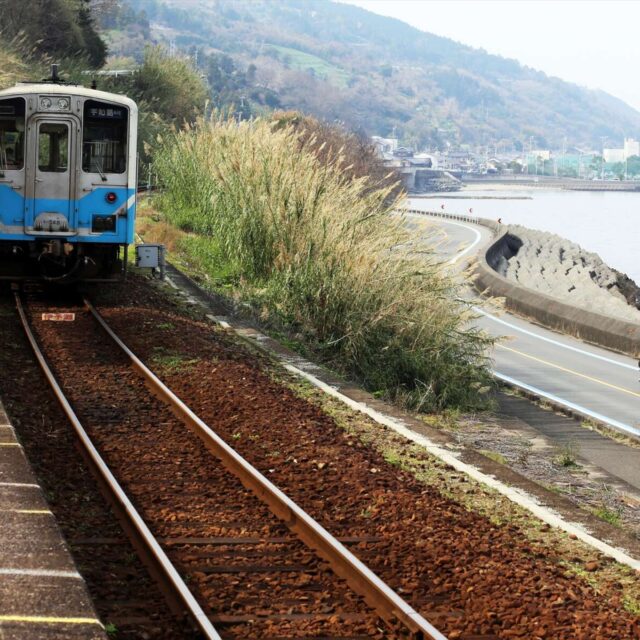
pixel 241 569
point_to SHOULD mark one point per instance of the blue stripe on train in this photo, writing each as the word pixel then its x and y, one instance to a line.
pixel 14 207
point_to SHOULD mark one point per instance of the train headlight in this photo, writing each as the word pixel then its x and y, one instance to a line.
pixel 55 103
pixel 111 197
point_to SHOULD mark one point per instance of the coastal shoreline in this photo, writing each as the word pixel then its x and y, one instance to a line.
pixel 551 182
pixel 554 265
pixel 605 223
pixel 461 196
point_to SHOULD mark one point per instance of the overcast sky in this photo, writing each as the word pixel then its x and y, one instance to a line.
pixel 592 43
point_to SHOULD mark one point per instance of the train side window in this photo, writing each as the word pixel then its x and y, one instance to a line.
pixel 104 140
pixel 12 112
pixel 53 147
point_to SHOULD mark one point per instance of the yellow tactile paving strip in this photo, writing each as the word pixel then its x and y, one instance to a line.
pixel 49 620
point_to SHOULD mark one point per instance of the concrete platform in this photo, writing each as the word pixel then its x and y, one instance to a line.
pixel 42 595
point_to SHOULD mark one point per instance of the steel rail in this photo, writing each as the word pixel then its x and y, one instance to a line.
pixel 175 590
pixel 386 602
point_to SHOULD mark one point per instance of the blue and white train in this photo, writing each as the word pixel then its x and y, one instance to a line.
pixel 68 174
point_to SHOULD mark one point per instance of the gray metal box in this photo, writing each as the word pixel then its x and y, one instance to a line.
pixel 150 256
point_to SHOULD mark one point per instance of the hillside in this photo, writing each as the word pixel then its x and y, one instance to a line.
pixel 375 73
pixel 56 28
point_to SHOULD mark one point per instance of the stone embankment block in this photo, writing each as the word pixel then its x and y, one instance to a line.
pixel 562 315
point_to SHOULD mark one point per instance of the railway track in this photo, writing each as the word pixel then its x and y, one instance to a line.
pixel 228 548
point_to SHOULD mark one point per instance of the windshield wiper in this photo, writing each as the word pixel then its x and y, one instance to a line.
pixel 97 165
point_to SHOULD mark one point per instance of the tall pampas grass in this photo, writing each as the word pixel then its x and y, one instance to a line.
pixel 319 255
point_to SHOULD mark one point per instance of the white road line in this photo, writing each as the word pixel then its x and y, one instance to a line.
pixel 473 244
pixel 576 407
pixel 456 224
pixel 554 342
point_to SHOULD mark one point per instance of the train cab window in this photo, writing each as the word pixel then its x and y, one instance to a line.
pixel 53 147
pixel 104 141
pixel 12 134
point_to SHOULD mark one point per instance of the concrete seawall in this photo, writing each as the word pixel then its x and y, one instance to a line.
pixel 551 182
pixel 587 325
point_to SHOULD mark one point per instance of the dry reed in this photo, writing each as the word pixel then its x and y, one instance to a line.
pixel 317 254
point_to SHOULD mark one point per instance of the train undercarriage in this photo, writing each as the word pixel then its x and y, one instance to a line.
pixel 54 260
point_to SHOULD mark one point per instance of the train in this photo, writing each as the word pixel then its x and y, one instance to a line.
pixel 68 178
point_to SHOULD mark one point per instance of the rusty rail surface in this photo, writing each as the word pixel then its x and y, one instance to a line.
pixel 178 596
pixel 386 602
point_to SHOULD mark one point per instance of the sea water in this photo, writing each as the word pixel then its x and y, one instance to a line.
pixel 604 222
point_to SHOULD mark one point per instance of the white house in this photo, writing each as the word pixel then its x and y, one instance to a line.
pixel 384 145
pixel 613 155
pixel 631 148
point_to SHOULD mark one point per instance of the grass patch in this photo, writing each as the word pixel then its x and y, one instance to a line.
pixel 393 457
pixel 611 516
pixel 317 256
pixel 568 455
pixel 494 455
pixel 171 362
pixel 631 605
pixel 307 62
pixel 608 507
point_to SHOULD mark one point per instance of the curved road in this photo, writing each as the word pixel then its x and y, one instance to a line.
pixel 588 379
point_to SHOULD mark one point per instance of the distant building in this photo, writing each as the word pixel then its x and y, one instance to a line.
pixel 543 154
pixel 384 145
pixel 456 161
pixel 613 155
pixel 403 152
pixel 631 148
pixel 423 159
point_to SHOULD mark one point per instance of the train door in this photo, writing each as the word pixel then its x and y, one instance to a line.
pixel 51 205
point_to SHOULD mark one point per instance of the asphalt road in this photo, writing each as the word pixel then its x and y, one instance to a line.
pixel 588 379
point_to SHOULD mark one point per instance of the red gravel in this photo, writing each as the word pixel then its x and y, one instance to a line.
pixel 471 578
pixel 250 574
pixel 123 593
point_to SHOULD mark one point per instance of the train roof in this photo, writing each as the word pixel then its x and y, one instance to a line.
pixel 51 88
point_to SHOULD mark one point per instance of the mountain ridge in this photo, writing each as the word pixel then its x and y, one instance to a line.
pixel 380 74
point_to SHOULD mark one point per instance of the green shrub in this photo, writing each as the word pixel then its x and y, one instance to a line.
pixel 168 91
pixel 319 254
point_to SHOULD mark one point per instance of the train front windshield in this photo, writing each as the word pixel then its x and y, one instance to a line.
pixel 104 145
